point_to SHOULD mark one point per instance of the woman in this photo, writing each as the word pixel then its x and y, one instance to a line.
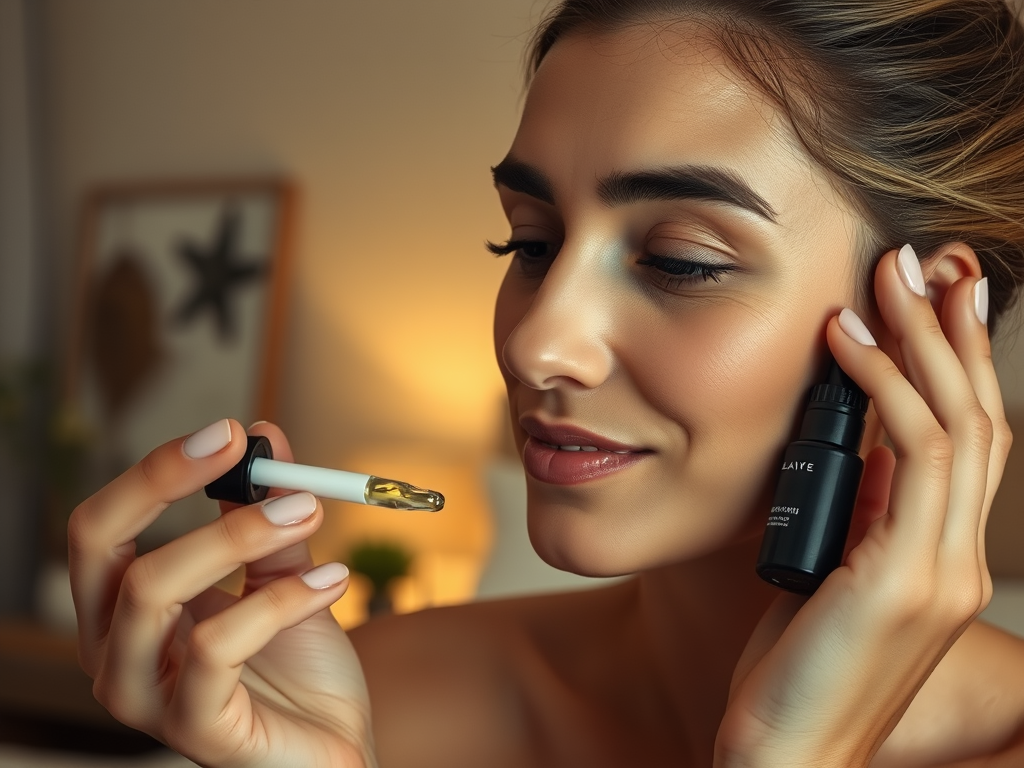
pixel 704 199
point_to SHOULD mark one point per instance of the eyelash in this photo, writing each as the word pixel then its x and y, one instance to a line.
pixel 676 273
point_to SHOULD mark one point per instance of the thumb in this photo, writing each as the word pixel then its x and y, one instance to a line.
pixel 291 560
pixel 873 498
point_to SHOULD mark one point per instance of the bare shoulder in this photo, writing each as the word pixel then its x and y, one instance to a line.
pixel 456 684
pixel 437 670
pixel 972 705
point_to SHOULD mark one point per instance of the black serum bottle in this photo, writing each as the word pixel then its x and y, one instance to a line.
pixel 810 515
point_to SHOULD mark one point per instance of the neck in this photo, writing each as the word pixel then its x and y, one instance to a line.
pixel 720 590
pixel 697 617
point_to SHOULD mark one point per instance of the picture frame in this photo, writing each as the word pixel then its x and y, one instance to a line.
pixel 178 316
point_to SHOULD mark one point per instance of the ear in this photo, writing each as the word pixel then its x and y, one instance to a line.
pixel 944 266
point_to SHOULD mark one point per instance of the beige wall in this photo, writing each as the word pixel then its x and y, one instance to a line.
pixel 386 114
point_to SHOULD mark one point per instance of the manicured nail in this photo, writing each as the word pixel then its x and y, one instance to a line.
pixel 981 300
pixel 208 440
pixel 910 270
pixel 855 327
pixel 293 508
pixel 255 424
pixel 326 575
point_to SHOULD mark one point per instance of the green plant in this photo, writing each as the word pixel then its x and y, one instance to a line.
pixel 49 444
pixel 380 562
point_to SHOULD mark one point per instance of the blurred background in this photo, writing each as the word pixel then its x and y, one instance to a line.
pixel 380 121
pixel 371 126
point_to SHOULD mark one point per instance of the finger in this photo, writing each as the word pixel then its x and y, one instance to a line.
pixel 278 440
pixel 288 561
pixel 280 449
pixel 202 606
pixel 873 497
pixel 102 529
pixel 206 604
pixel 929 362
pixel 157 584
pixel 936 371
pixel 964 317
pixel 918 494
pixel 968 338
pixel 208 692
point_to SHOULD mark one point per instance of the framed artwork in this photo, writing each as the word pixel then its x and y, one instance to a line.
pixel 179 313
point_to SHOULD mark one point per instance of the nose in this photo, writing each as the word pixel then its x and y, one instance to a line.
pixel 563 337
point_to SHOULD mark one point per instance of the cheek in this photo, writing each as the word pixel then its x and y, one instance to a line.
pixel 734 380
pixel 735 359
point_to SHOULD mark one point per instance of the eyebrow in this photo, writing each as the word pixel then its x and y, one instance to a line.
pixel 521 177
pixel 687 182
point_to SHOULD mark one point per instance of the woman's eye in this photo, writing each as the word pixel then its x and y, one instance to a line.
pixel 672 273
pixel 533 256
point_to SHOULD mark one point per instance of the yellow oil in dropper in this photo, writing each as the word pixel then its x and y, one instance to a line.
pixel 393 494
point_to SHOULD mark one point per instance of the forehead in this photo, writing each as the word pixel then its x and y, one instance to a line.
pixel 655 95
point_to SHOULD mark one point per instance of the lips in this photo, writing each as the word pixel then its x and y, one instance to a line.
pixel 569 455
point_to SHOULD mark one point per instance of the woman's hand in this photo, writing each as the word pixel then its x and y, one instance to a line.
pixel 824 680
pixel 267 679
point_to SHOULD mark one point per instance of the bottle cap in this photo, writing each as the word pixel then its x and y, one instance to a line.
pixel 835 413
pixel 235 485
pixel 841 390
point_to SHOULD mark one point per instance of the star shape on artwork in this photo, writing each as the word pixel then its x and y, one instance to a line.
pixel 218 273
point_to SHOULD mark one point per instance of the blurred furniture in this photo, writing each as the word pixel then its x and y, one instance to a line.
pixel 1004 536
pixel 46 699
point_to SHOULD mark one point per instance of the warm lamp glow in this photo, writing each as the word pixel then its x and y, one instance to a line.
pixel 426 364
pixel 450 577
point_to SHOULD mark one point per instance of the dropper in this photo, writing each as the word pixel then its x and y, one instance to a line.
pixel 251 478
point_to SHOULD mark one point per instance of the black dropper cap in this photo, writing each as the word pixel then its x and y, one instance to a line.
pixel 835 413
pixel 235 485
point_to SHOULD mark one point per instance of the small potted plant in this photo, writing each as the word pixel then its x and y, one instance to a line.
pixel 381 562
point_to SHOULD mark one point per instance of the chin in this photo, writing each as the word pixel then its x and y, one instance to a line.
pixel 585 556
pixel 585 542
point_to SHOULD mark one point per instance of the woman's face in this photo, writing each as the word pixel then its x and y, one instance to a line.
pixel 643 166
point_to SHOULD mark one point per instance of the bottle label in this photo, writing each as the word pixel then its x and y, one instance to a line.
pixel 780 515
pixel 804 466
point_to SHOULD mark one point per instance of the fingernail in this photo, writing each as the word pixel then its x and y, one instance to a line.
pixel 208 440
pixel 293 508
pixel 855 328
pixel 255 424
pixel 326 575
pixel 910 270
pixel 981 300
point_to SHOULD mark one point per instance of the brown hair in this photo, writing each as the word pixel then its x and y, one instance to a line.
pixel 916 107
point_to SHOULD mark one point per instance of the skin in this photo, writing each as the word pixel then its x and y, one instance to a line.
pixel 694 661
